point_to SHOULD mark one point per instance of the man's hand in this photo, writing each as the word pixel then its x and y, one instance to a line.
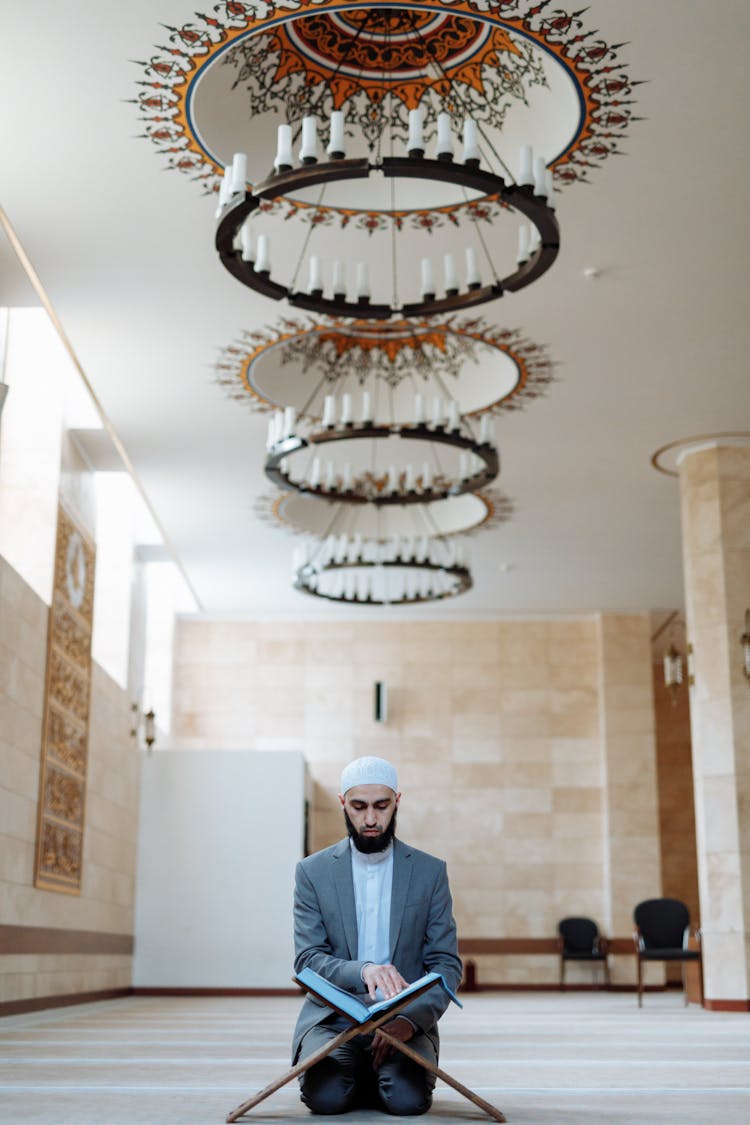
pixel 385 977
pixel 399 1028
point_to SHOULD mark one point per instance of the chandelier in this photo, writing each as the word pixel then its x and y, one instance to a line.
pixel 399 572
pixel 294 461
pixel 345 289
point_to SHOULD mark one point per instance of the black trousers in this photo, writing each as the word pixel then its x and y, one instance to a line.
pixel 346 1079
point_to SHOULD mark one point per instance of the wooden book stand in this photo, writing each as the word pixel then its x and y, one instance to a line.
pixel 363 1029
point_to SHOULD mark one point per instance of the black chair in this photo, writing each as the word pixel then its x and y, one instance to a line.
pixel 579 940
pixel 663 934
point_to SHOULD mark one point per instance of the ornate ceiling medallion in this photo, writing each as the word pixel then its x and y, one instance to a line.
pixel 519 68
pixel 302 361
pixel 456 515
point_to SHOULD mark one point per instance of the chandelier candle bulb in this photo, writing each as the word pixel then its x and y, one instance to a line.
pixel 453 415
pixel 336 144
pixel 422 548
pixel 437 412
pixel 526 172
pixel 534 240
pixel 523 245
pixel 391 483
pixel 262 258
pixel 224 191
pixel 550 192
pixel 339 280
pixel 485 430
pixel 315 281
pixel 329 411
pixel 415 143
pixel 284 161
pixel 471 146
pixel 346 410
pixel 366 407
pixel 418 408
pixel 473 280
pixel 239 174
pixel 426 476
pixel 329 480
pixel 363 282
pixel 444 137
pixel 308 152
pixel 428 280
pixel 347 477
pixel 246 242
pixel 451 278
pixel 269 435
pixel 315 472
pixel 290 418
pixel 540 176
pixel 410 479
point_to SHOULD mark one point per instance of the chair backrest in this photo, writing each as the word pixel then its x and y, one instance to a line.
pixel 662 922
pixel 580 935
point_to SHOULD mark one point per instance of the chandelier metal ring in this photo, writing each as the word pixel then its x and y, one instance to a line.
pixel 452 579
pixel 404 488
pixel 256 273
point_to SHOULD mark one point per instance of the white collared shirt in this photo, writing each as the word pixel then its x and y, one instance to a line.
pixel 373 879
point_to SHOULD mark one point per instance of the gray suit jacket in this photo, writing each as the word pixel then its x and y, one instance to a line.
pixel 422 930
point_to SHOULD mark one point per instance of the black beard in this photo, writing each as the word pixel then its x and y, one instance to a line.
pixel 368 845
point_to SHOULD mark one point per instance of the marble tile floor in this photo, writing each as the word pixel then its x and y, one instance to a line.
pixel 543 1058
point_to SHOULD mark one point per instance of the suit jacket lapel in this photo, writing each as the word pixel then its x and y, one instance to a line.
pixel 342 878
pixel 402 869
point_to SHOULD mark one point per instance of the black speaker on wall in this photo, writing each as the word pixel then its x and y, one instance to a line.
pixel 381 702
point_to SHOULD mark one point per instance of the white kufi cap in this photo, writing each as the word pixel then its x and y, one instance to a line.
pixel 369 771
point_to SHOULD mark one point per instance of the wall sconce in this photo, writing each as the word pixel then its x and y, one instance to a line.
pixel 381 702
pixel 672 672
pixel 145 723
pixel 745 642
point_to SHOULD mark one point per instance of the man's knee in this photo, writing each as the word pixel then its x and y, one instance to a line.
pixel 327 1088
pixel 405 1089
pixel 403 1100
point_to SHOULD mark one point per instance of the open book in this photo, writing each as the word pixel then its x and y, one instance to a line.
pixel 352 1006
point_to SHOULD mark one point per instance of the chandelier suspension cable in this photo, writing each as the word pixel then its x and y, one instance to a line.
pixel 442 74
pixel 306 240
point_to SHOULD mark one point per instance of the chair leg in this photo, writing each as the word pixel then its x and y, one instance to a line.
pixel 640 983
pixel 683 976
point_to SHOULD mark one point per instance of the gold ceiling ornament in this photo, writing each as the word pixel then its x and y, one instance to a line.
pixel 261 59
pixel 300 361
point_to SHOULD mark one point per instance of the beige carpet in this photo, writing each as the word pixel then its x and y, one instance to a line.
pixel 543 1058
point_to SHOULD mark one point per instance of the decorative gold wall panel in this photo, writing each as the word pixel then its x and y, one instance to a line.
pixel 62 789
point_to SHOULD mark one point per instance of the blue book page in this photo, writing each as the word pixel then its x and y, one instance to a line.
pixel 353 1006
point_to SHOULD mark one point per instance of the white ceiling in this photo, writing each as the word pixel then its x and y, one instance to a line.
pixel 652 349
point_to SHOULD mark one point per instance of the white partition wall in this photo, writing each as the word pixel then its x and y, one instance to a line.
pixel 219 836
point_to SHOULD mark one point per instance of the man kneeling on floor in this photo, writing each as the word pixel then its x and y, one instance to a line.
pixel 372 914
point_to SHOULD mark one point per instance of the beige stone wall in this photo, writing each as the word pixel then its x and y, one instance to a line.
pixel 105 904
pixel 494 727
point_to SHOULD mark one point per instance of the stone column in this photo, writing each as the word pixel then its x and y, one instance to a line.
pixel 715 500
pixel 631 807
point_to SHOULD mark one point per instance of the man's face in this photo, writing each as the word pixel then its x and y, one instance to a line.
pixel 369 811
